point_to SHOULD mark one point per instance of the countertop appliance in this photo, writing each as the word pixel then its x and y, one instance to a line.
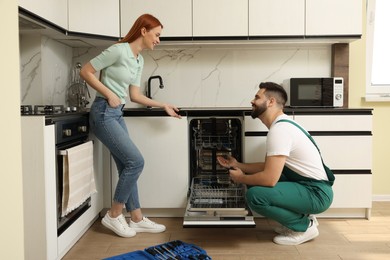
pixel 214 200
pixel 315 92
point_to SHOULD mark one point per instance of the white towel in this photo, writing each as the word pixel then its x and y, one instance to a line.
pixel 78 177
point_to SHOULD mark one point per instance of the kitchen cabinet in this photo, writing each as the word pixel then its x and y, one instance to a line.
pixel 220 18
pixel 54 11
pixel 310 18
pixel 334 17
pixel 40 197
pixel 175 15
pixel 276 18
pixel 163 142
pixel 345 142
pixel 99 17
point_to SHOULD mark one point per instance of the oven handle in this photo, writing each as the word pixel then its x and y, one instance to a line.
pixel 64 153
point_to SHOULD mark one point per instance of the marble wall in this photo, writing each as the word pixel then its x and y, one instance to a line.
pixel 194 76
pixel 45 68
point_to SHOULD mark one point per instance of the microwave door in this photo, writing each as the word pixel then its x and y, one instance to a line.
pixel 306 94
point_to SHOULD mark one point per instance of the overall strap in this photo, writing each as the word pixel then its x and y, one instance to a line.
pixel 329 172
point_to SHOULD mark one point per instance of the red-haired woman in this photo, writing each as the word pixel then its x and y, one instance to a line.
pixel 121 66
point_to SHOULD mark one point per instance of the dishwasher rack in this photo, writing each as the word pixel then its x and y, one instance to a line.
pixel 209 193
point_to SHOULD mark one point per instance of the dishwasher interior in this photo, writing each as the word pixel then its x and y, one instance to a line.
pixel 214 200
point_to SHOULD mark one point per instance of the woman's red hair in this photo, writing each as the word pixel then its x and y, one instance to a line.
pixel 146 21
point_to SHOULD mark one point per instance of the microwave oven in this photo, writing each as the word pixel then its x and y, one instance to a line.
pixel 314 92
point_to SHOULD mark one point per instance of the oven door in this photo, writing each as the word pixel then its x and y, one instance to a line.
pixel 65 220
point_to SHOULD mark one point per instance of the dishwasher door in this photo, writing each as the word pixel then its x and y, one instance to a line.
pixel 214 200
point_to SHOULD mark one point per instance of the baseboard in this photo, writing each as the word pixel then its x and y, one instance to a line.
pixel 380 197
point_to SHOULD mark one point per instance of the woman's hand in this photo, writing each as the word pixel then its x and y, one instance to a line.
pixel 113 100
pixel 172 110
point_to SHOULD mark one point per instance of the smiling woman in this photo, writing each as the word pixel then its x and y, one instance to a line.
pixel 121 67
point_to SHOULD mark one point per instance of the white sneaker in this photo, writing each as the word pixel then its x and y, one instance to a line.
pixel 296 238
pixel 314 219
pixel 283 229
pixel 146 225
pixel 118 225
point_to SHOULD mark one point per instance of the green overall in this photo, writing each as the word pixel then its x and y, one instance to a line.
pixel 293 198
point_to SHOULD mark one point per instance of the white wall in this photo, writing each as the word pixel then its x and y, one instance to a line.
pixel 11 194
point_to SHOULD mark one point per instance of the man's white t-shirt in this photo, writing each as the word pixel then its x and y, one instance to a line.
pixel 303 157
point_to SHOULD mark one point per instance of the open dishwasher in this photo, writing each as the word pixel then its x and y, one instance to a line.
pixel 214 200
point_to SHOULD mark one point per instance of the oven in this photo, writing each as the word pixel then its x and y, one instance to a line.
pixel 71 131
pixel 213 199
pixel 56 143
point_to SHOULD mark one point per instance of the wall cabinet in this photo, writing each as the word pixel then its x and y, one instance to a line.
pixel 186 20
pixel 163 142
pixel 345 142
pixel 175 15
pixel 276 18
pixel 54 11
pixel 333 17
pixel 220 18
pixel 98 17
pixel 305 18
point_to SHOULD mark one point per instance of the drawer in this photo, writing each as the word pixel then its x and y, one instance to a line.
pixel 346 152
pixel 251 124
pixel 254 149
pixel 335 122
pixel 352 191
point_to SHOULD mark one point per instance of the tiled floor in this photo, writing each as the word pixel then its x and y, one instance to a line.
pixel 352 239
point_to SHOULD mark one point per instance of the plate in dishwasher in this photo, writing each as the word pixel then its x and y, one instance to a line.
pixel 215 201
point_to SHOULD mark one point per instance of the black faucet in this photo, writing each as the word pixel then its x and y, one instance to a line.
pixel 149 93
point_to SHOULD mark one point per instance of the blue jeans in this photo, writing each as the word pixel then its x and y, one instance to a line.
pixel 108 125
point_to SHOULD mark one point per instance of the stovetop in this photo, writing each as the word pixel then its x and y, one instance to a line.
pixel 51 110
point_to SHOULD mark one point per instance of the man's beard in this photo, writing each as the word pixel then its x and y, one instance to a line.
pixel 257 111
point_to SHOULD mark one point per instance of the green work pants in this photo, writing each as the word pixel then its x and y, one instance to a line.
pixel 291 200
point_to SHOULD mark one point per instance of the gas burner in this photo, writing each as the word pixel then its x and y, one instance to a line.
pixel 48 109
pixel 26 110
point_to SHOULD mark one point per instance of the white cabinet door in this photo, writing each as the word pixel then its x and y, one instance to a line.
pixel 335 122
pixel 345 141
pixel 334 17
pixel 255 147
pixel 220 18
pixel 98 17
pixel 175 15
pixel 346 152
pixel 163 142
pixel 276 17
pixel 352 191
pixel 55 11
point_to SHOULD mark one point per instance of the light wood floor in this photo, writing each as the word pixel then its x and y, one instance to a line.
pixel 353 239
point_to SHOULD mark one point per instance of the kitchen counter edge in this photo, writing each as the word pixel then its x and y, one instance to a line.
pixel 241 111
